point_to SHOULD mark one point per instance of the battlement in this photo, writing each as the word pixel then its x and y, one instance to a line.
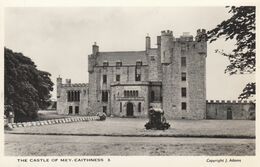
pixel 166 33
pixel 75 85
pixel 230 101
pixel 201 35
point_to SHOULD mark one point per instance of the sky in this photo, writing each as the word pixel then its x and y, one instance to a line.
pixel 59 39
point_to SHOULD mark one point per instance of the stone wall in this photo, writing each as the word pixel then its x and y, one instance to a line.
pixel 237 109
pixel 63 104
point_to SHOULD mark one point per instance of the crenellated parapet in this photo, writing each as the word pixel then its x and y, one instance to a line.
pixel 201 35
pixel 166 33
pixel 69 84
pixel 230 101
pixel 75 85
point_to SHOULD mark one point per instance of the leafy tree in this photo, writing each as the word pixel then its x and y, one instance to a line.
pixel 241 27
pixel 27 89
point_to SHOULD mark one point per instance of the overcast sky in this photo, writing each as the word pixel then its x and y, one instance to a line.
pixel 58 40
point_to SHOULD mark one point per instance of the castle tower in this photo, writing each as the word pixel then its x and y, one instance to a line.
pixel 166 47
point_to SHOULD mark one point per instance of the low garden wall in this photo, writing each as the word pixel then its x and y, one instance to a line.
pixel 53 121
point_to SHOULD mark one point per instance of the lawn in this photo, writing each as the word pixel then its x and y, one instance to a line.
pixel 48 145
pixel 133 126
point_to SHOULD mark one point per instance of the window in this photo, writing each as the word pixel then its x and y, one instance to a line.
pixel 105 64
pixel 104 96
pixel 139 63
pixel 183 105
pixel 131 93
pixel 183 61
pixel 152 96
pixel 120 106
pixel 68 96
pixel 78 95
pixel 138 77
pixel 76 109
pixel 152 58
pixel 183 92
pixel 73 96
pixel 104 79
pixel 139 107
pixel 70 110
pixel 117 77
pixel 138 71
pixel 105 109
pixel 183 76
pixel 118 64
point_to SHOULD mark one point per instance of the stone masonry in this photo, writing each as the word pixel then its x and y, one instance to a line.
pixel 171 76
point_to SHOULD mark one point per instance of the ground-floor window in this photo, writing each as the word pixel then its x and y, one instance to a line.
pixel 76 109
pixel 183 105
pixel 70 110
pixel 120 106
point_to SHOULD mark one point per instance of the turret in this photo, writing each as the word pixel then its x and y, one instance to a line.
pixel 59 84
pixel 201 35
pixel 201 38
pixel 147 42
pixel 166 47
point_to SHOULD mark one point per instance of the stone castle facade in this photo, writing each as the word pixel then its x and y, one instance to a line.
pixel 171 76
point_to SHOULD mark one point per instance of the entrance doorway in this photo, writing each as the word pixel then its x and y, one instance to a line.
pixel 130 109
pixel 229 113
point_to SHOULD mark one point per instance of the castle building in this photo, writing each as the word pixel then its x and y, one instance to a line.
pixel 171 76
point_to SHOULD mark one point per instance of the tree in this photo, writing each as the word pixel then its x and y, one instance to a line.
pixel 27 89
pixel 241 27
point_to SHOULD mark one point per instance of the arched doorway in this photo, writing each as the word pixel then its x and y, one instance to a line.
pixel 130 109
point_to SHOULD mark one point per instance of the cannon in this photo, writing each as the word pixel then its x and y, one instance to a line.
pixel 157 120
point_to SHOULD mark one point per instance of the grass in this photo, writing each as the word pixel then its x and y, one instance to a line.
pixel 39 145
pixel 131 126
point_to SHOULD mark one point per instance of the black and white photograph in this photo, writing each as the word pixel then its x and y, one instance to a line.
pixel 127 81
